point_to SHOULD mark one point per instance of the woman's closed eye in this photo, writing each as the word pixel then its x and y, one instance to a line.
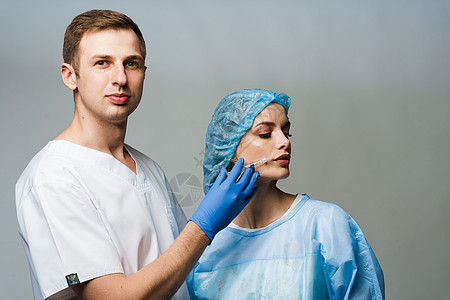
pixel 267 135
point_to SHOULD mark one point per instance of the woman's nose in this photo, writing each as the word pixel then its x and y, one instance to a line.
pixel 283 141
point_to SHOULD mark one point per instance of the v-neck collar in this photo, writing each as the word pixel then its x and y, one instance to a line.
pixel 103 160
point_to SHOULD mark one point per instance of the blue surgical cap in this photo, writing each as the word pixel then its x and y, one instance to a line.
pixel 232 118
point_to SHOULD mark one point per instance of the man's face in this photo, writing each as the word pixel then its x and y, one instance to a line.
pixel 111 75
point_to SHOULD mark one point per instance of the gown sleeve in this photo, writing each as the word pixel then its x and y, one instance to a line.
pixel 350 263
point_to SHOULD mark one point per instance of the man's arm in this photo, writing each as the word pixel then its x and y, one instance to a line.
pixel 162 278
pixel 159 279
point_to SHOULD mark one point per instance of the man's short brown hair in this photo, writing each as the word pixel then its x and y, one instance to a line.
pixel 95 20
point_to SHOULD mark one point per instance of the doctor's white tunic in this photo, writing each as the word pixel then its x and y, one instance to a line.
pixel 83 214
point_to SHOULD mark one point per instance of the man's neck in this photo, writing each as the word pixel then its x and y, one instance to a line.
pixel 106 137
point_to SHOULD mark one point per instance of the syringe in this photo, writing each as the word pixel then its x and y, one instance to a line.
pixel 258 162
pixel 261 161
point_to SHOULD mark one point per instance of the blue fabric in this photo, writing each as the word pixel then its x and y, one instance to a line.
pixel 315 251
pixel 231 119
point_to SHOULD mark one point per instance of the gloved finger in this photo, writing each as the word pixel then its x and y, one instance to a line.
pixel 245 177
pixel 237 169
pixel 253 192
pixel 251 183
pixel 220 178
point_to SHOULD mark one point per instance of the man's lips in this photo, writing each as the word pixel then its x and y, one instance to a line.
pixel 118 98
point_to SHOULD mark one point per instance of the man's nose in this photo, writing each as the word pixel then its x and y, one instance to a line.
pixel 119 76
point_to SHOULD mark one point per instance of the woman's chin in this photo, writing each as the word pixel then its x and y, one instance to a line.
pixel 274 175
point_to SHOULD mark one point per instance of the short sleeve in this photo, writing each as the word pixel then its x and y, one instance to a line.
pixel 67 240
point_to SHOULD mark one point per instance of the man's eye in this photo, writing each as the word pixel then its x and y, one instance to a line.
pixel 132 64
pixel 101 63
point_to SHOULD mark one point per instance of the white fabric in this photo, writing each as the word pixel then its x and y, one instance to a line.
pixel 82 211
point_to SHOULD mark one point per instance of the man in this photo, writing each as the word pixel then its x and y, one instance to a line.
pixel 97 217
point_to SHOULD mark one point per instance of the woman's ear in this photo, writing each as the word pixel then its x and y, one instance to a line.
pixel 68 76
pixel 233 160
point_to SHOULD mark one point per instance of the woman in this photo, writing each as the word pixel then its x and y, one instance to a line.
pixel 281 246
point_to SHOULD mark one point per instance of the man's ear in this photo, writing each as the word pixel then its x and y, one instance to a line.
pixel 68 76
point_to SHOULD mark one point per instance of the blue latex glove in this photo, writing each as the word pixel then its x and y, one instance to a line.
pixel 226 199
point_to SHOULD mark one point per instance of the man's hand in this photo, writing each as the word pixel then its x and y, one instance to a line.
pixel 226 199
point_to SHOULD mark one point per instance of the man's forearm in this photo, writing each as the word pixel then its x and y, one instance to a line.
pixel 175 264
pixel 163 277
pixel 158 280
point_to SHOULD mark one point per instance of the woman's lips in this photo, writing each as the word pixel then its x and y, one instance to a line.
pixel 118 98
pixel 283 159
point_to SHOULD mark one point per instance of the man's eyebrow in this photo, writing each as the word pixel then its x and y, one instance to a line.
pixel 106 56
pixel 135 57
pixel 103 56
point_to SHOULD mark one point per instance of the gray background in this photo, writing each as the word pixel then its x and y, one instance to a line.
pixel 370 87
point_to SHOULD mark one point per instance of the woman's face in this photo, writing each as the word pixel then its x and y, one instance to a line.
pixel 268 138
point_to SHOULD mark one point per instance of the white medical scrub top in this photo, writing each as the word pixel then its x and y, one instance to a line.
pixel 83 214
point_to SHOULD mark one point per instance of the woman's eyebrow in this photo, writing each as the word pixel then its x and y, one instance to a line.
pixel 269 123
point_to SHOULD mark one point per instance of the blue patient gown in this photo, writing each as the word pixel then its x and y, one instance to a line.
pixel 315 251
